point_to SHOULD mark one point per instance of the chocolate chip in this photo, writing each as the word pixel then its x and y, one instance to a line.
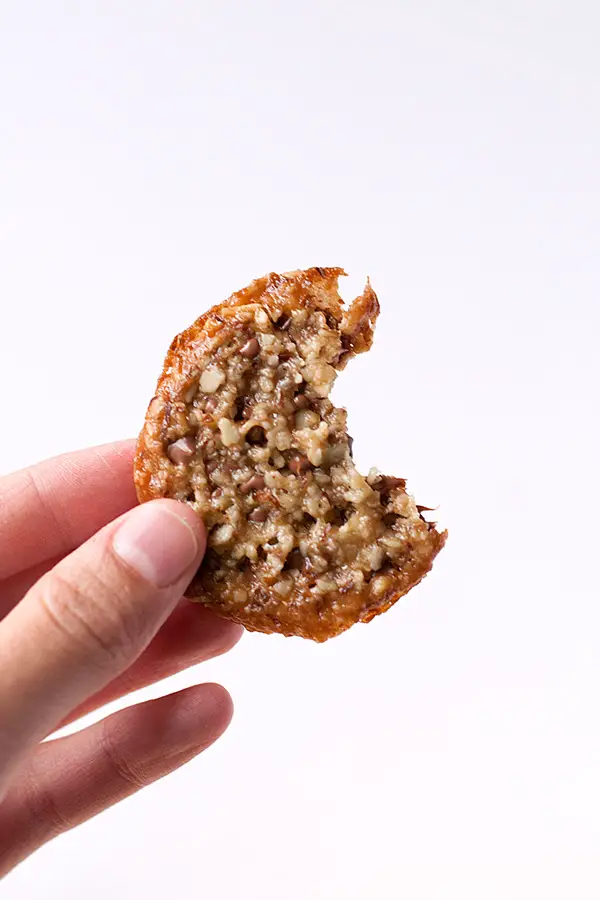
pixel 339 515
pixel 350 446
pixel 250 349
pixel 283 322
pixel 321 271
pixel 390 519
pixel 259 514
pixel 181 451
pixel 295 560
pixel 299 464
pixel 211 563
pixel 332 322
pixel 256 483
pixel 256 435
pixel 301 401
pixel 211 465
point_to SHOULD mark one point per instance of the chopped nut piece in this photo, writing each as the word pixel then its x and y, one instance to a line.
pixel 191 392
pixel 283 440
pixel 325 584
pixel 380 584
pixel 306 418
pixel 229 432
pixel 268 341
pixel 211 380
pixel 221 534
pixel 283 588
pixel 315 456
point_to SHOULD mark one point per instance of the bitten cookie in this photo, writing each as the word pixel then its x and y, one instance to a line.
pixel 242 429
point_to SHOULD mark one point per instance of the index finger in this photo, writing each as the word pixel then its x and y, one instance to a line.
pixel 48 510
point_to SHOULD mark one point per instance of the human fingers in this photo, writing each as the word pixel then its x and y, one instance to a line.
pixel 88 619
pixel 71 779
pixel 192 634
pixel 49 509
pixel 13 589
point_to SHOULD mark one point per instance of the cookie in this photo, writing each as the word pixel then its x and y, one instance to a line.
pixel 242 428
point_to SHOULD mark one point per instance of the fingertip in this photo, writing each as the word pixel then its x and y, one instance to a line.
pixel 185 722
pixel 188 515
pixel 216 707
pixel 162 540
pixel 198 716
pixel 89 771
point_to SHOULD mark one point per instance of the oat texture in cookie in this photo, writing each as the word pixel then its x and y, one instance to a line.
pixel 242 428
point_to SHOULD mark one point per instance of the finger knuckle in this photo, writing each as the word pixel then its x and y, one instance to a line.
pixel 89 613
pixel 122 768
pixel 46 814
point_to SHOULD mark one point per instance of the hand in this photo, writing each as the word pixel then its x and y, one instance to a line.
pixel 91 609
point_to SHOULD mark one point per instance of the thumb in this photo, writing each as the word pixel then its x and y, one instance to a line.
pixel 91 616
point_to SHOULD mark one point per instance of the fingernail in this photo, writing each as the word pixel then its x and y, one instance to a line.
pixel 157 542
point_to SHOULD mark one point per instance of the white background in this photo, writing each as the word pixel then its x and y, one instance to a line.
pixel 157 155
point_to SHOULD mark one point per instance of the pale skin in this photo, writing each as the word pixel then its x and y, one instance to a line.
pixel 92 608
